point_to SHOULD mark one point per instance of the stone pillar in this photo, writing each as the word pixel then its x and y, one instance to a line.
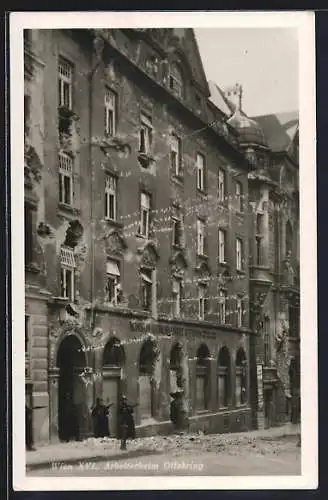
pixel 213 403
pixel 53 404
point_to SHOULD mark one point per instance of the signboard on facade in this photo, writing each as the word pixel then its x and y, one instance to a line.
pixel 259 370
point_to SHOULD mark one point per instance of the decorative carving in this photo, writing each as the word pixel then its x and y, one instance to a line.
pixel 203 269
pixel 178 263
pixel 115 243
pixel 149 254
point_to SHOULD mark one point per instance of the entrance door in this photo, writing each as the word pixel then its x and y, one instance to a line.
pixel 70 360
pixel 110 394
pixel 268 408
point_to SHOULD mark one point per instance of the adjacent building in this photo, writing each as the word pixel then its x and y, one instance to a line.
pixel 142 199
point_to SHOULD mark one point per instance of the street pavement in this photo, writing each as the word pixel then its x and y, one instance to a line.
pixel 217 455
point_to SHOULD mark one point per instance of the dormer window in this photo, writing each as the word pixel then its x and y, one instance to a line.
pixel 176 80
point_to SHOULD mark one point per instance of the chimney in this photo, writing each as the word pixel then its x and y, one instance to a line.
pixel 234 95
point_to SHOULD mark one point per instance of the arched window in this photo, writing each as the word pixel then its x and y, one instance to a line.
pixel 114 354
pixel 202 378
pixel 223 378
pixel 147 360
pixel 176 80
pixel 241 377
pixel 289 239
pixel 176 376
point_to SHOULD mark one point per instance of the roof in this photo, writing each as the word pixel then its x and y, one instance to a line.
pixel 219 100
pixel 279 129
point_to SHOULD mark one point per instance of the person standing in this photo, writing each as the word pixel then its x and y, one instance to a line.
pixel 99 415
pixel 178 412
pixel 126 422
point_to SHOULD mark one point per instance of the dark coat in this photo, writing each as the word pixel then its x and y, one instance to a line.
pixel 100 421
pixel 126 422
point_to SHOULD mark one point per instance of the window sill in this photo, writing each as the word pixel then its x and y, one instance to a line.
pixel 145 159
pixel 223 264
pixel 202 193
pixel 177 179
pixel 113 222
pixel 202 256
pixel 68 209
pixel 241 272
pixel 142 236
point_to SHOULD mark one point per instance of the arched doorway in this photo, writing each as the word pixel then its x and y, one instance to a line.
pixel 203 378
pixel 72 400
pixel 147 359
pixel 224 378
pixel 112 367
pixel 241 377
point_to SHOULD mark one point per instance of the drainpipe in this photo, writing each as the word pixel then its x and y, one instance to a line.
pixel 94 67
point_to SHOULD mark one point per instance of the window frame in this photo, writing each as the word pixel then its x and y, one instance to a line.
pixel 176 79
pixel 147 286
pixel 147 127
pixel 65 171
pixel 145 210
pixel 222 233
pixel 239 254
pixel 65 79
pixel 202 298
pixel 222 306
pixel 200 167
pixel 110 194
pixel 67 264
pixel 116 280
pixel 221 185
pixel 110 110
pixel 201 237
pixel 176 147
pixel 177 297
pixel 239 312
pixel 239 196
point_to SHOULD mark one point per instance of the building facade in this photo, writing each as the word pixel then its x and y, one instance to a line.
pixel 136 233
pixel 270 143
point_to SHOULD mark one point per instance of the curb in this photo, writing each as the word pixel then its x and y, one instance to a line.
pixel 94 458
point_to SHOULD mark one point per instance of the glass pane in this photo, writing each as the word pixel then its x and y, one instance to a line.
pixel 238 390
pixel 67 190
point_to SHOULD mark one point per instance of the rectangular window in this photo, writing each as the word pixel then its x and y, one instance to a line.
pixel 65 179
pixel 175 155
pixel 221 185
pixel 239 197
pixel 239 254
pixel 144 214
pixel 176 292
pixel 222 306
pixel 110 112
pixel 65 84
pixel 200 237
pixel 259 250
pixel 27 115
pixel 113 282
pixel 110 197
pixel 239 311
pixel 222 246
pixel 146 289
pixel 202 302
pixel 145 135
pixel 67 273
pixel 28 227
pixel 200 161
pixel 259 223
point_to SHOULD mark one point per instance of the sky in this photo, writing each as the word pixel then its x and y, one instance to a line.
pixel 263 61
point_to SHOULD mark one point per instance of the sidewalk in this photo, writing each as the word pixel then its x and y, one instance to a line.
pixel 109 449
